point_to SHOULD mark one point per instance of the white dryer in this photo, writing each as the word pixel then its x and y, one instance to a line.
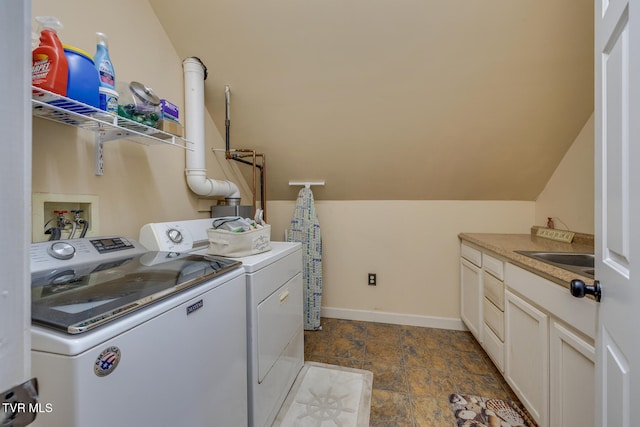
pixel 275 335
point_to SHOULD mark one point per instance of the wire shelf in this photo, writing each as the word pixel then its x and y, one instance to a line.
pixel 50 106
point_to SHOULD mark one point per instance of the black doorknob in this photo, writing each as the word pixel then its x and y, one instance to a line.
pixel 579 289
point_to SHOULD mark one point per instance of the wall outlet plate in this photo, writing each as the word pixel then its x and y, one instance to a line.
pixel 372 280
pixel 553 234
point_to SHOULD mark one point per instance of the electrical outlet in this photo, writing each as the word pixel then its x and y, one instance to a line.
pixel 372 279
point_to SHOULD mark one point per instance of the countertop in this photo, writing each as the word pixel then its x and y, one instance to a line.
pixel 505 245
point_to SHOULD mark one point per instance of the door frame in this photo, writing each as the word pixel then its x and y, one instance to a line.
pixel 15 193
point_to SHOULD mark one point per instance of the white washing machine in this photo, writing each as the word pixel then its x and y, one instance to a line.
pixel 275 335
pixel 123 336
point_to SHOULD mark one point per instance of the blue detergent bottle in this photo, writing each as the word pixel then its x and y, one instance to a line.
pixel 103 63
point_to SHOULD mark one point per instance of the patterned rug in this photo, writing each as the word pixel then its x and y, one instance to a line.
pixel 327 395
pixel 475 411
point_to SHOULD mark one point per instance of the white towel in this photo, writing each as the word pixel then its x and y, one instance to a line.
pixel 305 229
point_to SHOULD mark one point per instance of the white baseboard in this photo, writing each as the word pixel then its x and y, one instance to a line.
pixel 394 318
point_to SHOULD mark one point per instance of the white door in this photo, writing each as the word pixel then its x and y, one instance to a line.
pixel 617 163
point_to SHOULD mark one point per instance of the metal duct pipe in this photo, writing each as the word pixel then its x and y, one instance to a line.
pixel 233 155
pixel 195 171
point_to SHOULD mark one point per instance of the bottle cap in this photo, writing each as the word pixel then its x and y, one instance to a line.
pixel 49 22
pixel 102 39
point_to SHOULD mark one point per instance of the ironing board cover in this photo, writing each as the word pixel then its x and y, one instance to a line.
pixel 305 229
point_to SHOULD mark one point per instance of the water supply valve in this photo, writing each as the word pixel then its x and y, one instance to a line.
pixel 80 222
pixel 62 221
pixel 76 214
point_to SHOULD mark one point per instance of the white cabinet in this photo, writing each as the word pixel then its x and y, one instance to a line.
pixel 471 289
pixel 538 335
pixel 549 353
pixel 482 300
pixel 549 366
pixel 572 378
pixel 527 355
pixel 493 309
pixel 471 298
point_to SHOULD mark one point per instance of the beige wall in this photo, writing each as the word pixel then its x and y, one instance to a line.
pixel 140 183
pixel 413 248
pixel 568 196
pixel 373 89
pixel 411 245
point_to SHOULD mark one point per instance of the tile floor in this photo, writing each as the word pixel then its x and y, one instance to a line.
pixel 414 368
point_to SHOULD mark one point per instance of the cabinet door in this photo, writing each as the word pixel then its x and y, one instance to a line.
pixel 471 297
pixel 527 355
pixel 572 389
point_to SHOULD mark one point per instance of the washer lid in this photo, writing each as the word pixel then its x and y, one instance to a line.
pixel 77 303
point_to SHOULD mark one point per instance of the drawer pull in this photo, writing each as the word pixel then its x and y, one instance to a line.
pixel 284 296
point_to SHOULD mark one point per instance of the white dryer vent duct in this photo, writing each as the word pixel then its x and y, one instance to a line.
pixel 196 172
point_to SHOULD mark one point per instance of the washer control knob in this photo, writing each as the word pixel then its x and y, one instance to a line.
pixel 174 235
pixel 61 250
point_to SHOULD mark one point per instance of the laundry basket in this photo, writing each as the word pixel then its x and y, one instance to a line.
pixel 237 244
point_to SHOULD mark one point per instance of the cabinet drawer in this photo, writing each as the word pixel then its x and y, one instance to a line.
pixel 471 254
pixel 493 266
pixel 494 348
pixel 494 318
pixel 493 290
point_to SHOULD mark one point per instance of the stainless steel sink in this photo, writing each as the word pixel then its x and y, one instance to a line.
pixel 577 262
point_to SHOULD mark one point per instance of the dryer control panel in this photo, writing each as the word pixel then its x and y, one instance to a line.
pixel 176 236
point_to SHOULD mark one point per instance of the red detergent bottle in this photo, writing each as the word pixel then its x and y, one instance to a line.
pixel 49 69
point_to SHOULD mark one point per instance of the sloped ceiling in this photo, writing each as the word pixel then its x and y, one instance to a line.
pixel 396 100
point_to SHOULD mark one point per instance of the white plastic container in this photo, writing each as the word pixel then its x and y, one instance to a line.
pixel 108 100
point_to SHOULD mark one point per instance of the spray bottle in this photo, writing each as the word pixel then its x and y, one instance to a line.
pixel 49 69
pixel 103 63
